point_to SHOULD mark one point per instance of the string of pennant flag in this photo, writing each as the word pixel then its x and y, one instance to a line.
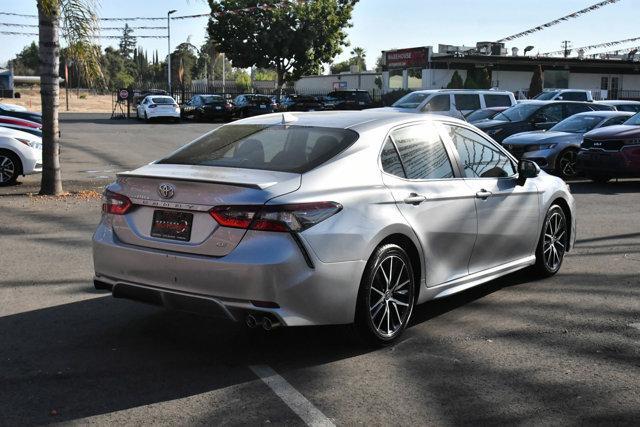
pixel 173 18
pixel 11 24
pixel 559 20
pixel 594 46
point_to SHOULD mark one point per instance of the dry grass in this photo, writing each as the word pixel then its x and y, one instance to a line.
pixel 30 98
pixel 75 195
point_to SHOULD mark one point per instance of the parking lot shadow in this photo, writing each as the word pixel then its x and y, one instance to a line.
pixel 610 188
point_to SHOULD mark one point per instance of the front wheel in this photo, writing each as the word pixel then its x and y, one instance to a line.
pixel 566 165
pixel 553 243
pixel 9 168
pixel 386 296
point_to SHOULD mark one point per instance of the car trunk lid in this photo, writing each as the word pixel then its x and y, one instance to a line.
pixel 187 195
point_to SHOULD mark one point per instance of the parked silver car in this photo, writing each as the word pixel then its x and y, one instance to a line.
pixel 556 150
pixel 328 218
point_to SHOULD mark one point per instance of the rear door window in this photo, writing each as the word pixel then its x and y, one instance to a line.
pixel 497 101
pixel 467 101
pixel 390 160
pixel 422 152
pixel 551 113
pixel 438 103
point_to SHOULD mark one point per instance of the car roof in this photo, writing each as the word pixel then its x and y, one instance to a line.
pixel 618 102
pixel 357 120
pixel 604 113
pixel 472 91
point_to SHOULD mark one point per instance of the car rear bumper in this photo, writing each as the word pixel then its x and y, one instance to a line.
pixel 166 113
pixel 624 163
pixel 266 267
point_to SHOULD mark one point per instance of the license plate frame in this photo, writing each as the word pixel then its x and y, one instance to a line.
pixel 172 225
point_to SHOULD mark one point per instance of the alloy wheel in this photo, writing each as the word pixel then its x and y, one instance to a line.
pixel 554 241
pixel 7 169
pixel 567 162
pixel 390 296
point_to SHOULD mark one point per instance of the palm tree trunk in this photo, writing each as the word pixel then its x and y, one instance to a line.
pixel 49 55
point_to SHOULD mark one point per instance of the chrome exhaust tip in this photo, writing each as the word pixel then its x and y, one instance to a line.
pixel 268 324
pixel 251 321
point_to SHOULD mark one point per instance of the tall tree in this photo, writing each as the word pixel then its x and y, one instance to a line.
pixel 456 81
pixel 128 42
pixel 79 22
pixel 535 87
pixel 26 62
pixel 359 55
pixel 294 38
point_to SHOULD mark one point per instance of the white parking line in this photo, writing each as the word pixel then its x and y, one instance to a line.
pixel 292 397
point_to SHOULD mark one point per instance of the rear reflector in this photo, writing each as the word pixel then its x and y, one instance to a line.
pixel 282 218
pixel 115 204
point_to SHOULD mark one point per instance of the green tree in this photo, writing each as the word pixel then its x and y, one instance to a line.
pixel 127 44
pixel 340 67
pixel 263 74
pixel 478 78
pixel 294 38
pixel 80 22
pixel 243 80
pixel 26 62
pixel 183 54
pixel 456 81
pixel 535 87
pixel 379 64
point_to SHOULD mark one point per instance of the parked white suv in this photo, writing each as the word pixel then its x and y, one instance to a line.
pixel 452 102
pixel 565 95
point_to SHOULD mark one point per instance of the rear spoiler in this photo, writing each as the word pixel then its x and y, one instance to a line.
pixel 260 186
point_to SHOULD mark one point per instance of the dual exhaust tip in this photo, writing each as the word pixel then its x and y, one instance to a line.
pixel 266 322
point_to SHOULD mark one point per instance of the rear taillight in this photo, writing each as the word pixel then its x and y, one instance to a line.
pixel 152 106
pixel 283 218
pixel 114 203
pixel 228 106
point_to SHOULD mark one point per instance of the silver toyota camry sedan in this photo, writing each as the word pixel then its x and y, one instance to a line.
pixel 329 218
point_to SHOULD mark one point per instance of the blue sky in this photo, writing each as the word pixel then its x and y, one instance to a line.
pixel 386 24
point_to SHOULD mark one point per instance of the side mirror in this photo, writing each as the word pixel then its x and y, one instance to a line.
pixel 527 169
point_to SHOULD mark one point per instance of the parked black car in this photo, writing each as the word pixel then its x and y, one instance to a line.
pixel 27 115
pixel 533 115
pixel 207 107
pixel 301 103
pixel 252 104
pixel 348 100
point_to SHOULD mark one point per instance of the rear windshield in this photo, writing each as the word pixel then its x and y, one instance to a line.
pixel 411 100
pixel 212 99
pixel 518 112
pixel 163 100
pixel 546 96
pixel 275 148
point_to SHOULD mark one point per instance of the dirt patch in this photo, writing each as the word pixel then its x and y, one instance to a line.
pixel 84 102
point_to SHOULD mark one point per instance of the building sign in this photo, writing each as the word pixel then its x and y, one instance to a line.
pixel 416 57
pixel 339 85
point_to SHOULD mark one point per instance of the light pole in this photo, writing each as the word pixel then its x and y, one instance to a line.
pixel 169 50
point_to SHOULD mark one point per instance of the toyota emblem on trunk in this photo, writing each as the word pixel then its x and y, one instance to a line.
pixel 166 191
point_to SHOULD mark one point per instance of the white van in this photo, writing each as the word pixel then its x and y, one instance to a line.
pixel 452 102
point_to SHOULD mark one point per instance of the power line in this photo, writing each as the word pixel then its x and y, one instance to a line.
pixel 594 46
pixel 11 24
pixel 19 33
pixel 559 20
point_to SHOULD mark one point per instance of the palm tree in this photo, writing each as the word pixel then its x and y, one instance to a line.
pixel 359 55
pixel 79 23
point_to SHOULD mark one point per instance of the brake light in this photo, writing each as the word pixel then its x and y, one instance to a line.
pixel 228 106
pixel 115 204
pixel 282 218
pixel 152 106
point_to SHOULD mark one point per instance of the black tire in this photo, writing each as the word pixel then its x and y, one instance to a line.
pixel 10 168
pixel 567 164
pixel 391 309
pixel 553 242
pixel 146 118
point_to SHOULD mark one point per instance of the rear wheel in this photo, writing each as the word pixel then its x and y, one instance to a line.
pixel 566 164
pixel 553 243
pixel 386 296
pixel 9 168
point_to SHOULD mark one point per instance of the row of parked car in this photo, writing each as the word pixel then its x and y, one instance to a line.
pixel 20 143
pixel 564 131
pixel 207 107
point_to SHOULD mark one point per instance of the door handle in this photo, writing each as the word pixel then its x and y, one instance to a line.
pixel 483 194
pixel 414 199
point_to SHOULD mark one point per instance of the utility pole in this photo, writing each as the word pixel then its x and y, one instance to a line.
pixel 566 46
pixel 169 51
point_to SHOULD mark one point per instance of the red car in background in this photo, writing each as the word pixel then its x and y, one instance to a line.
pixel 21 124
pixel 611 152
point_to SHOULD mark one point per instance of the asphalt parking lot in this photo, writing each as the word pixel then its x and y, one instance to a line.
pixel 562 351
